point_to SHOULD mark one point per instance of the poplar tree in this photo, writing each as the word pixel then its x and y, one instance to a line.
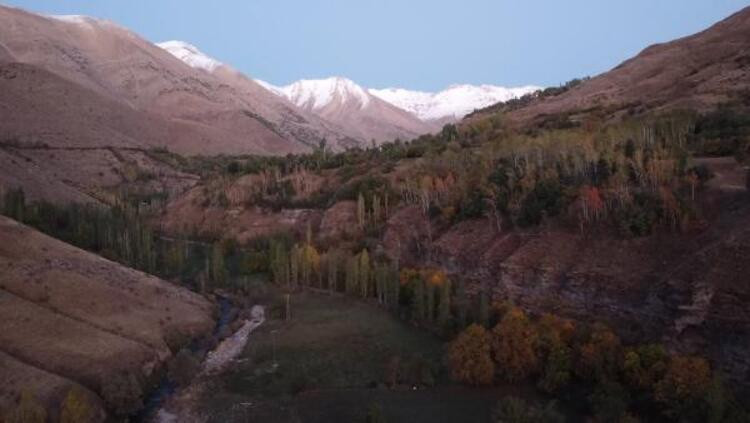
pixel 364 273
pixel 333 268
pixel 361 211
pixel 352 275
pixel 444 307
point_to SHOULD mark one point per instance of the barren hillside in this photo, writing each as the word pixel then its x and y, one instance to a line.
pixel 71 317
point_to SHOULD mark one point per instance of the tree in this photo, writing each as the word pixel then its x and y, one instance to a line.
pixel 77 407
pixel 352 275
pixel 610 401
pixel 218 271
pixel 294 265
pixel 365 272
pixel 484 309
pixel 599 357
pixel 514 346
pixel 361 211
pixel 444 305
pixel 685 384
pixel 333 270
pixel 417 305
pixel 28 410
pixel 644 366
pixel 470 358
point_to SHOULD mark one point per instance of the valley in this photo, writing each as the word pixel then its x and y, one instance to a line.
pixel 181 242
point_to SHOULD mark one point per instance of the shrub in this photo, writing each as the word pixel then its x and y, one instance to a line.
pixel 122 393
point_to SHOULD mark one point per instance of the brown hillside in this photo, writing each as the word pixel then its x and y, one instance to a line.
pixel 695 72
pixel 77 317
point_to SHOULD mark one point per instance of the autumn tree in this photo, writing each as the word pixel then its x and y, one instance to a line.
pixel 683 386
pixel 77 407
pixel 514 346
pixel 470 357
pixel 352 275
pixel 599 357
pixel 28 410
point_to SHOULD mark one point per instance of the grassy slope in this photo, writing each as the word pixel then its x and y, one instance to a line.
pixel 332 359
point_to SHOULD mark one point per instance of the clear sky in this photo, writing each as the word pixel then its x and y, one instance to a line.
pixel 415 44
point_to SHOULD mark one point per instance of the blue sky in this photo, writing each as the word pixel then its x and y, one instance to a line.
pixel 415 44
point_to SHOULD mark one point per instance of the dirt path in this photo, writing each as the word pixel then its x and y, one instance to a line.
pixel 180 408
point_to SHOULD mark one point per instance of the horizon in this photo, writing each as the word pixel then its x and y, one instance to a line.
pixel 305 45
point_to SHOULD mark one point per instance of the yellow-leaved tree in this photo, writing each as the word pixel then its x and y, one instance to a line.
pixel 470 357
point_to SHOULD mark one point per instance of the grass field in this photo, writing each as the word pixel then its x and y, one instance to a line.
pixel 332 362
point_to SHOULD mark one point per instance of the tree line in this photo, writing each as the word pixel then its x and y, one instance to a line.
pixel 589 365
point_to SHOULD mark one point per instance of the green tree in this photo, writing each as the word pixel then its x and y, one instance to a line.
pixel 218 269
pixel 444 306
pixel 418 309
pixel 361 211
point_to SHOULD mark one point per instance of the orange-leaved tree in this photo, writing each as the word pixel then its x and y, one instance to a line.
pixel 469 357
pixel 514 346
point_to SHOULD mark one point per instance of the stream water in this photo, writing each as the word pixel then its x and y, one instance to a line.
pixel 166 388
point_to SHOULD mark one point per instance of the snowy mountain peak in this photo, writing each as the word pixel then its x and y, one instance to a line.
pixel 318 93
pixel 315 94
pixel 190 54
pixel 454 102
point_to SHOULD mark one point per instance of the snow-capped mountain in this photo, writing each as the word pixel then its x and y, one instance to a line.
pixel 315 94
pixel 366 114
pixel 455 102
pixel 352 107
pixel 190 54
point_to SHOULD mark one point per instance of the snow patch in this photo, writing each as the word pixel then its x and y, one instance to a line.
pixel 455 102
pixel 190 54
